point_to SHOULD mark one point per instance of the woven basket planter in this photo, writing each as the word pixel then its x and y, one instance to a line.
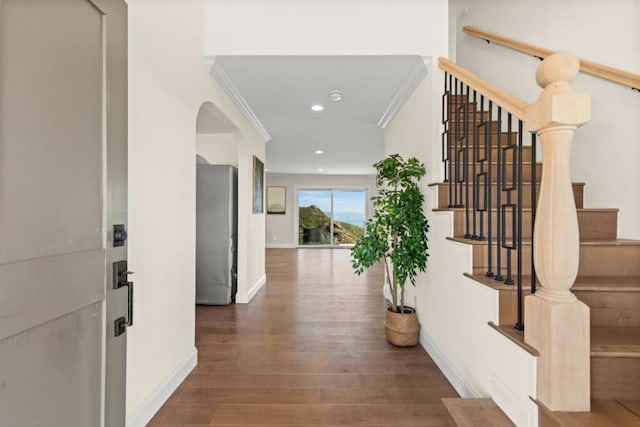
pixel 402 330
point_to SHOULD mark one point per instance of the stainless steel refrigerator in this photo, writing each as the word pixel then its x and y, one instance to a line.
pixel 216 234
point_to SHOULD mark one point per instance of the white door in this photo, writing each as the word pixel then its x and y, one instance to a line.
pixel 62 185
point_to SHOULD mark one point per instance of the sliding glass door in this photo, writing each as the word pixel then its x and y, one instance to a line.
pixel 331 216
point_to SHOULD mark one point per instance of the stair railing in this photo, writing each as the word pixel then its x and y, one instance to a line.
pixel 557 322
pixel 603 71
pixel 483 143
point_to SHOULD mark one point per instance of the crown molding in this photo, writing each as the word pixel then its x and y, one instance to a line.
pixel 420 69
pixel 223 79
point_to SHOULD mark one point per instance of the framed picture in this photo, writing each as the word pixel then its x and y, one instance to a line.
pixel 276 200
pixel 258 185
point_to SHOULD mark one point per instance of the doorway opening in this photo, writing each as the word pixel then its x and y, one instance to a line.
pixel 216 208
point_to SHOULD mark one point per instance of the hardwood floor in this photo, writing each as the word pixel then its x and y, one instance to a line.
pixel 309 350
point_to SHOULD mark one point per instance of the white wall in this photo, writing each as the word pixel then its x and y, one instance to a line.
pixel 218 148
pixel 606 150
pixel 454 310
pixel 324 27
pixel 280 230
pixel 168 83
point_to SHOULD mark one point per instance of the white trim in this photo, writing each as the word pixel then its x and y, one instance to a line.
pixel 223 79
pixel 280 246
pixel 522 413
pixel 143 413
pixel 456 379
pixel 254 289
pixel 420 69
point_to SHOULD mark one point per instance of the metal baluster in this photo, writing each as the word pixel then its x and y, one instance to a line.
pixel 459 155
pixel 520 323
pixel 499 196
pixel 509 205
pixel 451 148
pixel 459 147
pixel 467 234
pixel 476 141
pixel 481 174
pixel 446 106
pixel 534 202
pixel 487 186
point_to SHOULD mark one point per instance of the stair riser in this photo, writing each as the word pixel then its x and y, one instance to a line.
pixel 503 138
pixel 615 378
pixel 453 109
pixel 612 308
pixel 596 225
pixel 460 157
pixel 443 195
pixel 508 305
pixel 460 126
pixel 595 260
pixel 607 308
pixel 527 171
pixel 456 116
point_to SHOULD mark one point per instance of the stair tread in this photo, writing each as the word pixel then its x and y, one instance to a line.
pixel 476 412
pixel 590 242
pixel 529 209
pixel 607 283
pixel 611 342
pixel 615 342
pixel 582 283
pixel 524 184
pixel 516 336
pixel 604 413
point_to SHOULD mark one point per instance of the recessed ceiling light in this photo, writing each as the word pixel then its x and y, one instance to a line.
pixel 320 170
pixel 317 107
pixel 319 152
pixel 335 96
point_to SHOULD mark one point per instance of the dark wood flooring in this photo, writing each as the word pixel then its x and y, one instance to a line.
pixel 309 350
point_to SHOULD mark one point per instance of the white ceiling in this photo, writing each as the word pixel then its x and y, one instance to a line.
pixel 280 90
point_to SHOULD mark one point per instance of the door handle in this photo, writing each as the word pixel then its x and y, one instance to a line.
pixel 120 274
pixel 121 323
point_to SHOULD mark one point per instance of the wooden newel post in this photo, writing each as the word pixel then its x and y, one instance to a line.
pixel 557 323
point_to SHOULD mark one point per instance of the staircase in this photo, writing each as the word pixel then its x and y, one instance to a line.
pixel 608 278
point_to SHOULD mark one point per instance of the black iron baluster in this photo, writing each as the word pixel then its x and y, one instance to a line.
pixel 510 147
pixel 476 140
pixel 446 106
pixel 488 189
pixel 520 323
pixel 481 177
pixel 499 196
pixel 467 234
pixel 459 152
pixel 534 203
pixel 451 148
pixel 459 146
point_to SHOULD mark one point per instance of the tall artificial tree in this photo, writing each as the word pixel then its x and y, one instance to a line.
pixel 397 231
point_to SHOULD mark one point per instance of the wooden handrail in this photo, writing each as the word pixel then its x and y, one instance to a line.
pixel 603 71
pixel 515 106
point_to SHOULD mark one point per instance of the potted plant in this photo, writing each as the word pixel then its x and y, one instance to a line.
pixel 396 234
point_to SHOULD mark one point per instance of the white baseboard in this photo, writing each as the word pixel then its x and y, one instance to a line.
pixel 458 382
pixel 280 246
pixel 255 288
pixel 143 413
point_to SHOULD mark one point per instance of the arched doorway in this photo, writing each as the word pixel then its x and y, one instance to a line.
pixel 216 207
